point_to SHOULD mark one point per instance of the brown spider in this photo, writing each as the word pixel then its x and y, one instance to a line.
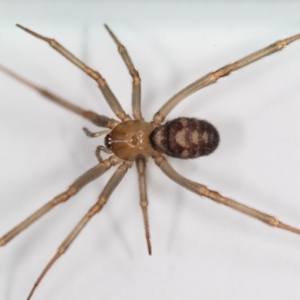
pixel 135 140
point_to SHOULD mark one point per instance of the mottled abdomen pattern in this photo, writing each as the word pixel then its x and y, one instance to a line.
pixel 185 138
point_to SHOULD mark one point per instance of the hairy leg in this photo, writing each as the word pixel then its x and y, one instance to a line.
pixel 141 167
pixel 202 190
pixel 214 76
pixel 106 91
pixel 74 188
pixel 96 208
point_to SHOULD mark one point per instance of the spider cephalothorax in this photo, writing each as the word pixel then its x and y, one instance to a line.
pixel 133 141
pixel 129 139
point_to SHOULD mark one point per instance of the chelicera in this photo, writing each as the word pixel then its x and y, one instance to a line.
pixel 133 140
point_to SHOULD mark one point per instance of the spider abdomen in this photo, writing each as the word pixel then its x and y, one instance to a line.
pixel 185 138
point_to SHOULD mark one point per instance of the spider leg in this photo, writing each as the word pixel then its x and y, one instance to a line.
pixel 94 134
pixel 136 80
pixel 108 189
pixel 98 152
pixel 214 76
pixel 141 167
pixel 98 120
pixel 99 148
pixel 74 188
pixel 202 190
pixel 106 91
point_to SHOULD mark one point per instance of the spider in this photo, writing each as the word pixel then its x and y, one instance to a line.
pixel 133 140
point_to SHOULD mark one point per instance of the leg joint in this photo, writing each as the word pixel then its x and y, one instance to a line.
pixel 61 250
pixel 136 78
pixel 272 221
pixel 158 158
pixel 280 45
pixel 144 204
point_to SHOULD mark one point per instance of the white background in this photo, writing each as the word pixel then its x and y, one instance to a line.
pixel 201 250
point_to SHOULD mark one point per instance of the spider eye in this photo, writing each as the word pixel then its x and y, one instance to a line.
pixel 108 141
